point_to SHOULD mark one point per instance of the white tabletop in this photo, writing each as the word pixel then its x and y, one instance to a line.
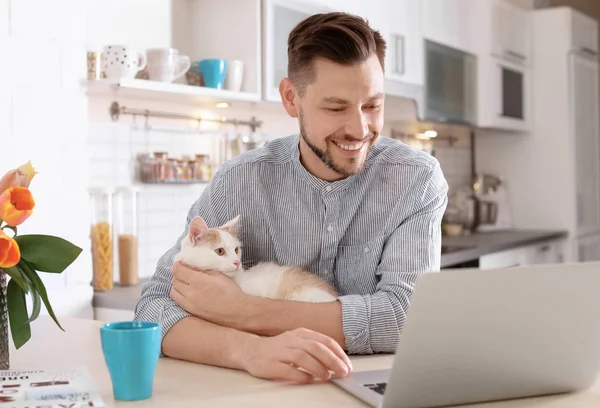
pixel 179 384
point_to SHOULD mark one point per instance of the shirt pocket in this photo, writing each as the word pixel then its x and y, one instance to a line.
pixel 356 265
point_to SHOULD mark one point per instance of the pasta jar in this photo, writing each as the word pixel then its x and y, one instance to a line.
pixel 127 241
pixel 101 235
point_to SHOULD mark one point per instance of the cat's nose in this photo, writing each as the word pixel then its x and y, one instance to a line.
pixel 236 263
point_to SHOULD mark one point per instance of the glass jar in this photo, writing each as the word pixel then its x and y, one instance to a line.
pixel 127 241
pixel 160 166
pixel 101 235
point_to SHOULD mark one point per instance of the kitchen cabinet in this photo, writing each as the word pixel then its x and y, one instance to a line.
pixel 553 173
pixel 583 85
pixel 542 253
pixel 279 18
pixel 452 23
pixel 588 248
pixel 405 52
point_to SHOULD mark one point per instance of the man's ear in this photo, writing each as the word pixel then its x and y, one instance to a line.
pixel 288 97
pixel 197 229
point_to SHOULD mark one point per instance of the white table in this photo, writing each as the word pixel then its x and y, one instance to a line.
pixel 182 384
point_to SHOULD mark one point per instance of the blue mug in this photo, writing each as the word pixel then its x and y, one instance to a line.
pixel 213 72
pixel 131 351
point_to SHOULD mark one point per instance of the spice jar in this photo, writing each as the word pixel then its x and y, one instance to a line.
pixel 102 238
pixel 127 241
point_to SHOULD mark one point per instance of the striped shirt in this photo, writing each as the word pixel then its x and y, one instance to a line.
pixel 369 235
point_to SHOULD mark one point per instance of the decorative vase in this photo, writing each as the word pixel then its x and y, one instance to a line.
pixel 4 356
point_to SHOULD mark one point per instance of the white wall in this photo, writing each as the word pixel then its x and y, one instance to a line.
pixel 43 119
pixel 46 117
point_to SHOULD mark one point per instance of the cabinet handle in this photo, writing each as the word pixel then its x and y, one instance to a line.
pixel 545 248
pixel 515 55
pixel 399 42
pixel 589 51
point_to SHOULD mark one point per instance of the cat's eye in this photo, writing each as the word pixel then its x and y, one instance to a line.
pixel 237 250
pixel 220 251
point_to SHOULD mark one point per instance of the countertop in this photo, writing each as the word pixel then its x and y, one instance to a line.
pixel 182 384
pixel 461 249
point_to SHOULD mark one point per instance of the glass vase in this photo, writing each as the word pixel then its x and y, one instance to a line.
pixel 4 354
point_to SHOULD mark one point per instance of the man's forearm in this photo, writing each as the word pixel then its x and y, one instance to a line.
pixel 268 317
pixel 196 340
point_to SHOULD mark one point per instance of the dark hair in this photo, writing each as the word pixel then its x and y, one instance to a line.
pixel 339 37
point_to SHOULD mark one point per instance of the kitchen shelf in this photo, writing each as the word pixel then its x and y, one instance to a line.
pixel 143 89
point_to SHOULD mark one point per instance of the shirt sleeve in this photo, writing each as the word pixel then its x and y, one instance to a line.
pixel 155 303
pixel 372 323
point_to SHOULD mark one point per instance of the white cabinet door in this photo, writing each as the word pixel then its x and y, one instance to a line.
pixel 405 51
pixel 279 18
pixel 451 23
pixel 583 83
pixel 588 248
pixel 511 31
pixel 545 253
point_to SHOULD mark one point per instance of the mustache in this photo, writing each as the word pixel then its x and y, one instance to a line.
pixel 350 138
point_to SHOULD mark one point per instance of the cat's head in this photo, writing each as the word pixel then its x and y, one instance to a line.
pixel 212 248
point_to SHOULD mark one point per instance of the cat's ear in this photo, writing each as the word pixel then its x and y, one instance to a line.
pixel 232 226
pixel 197 229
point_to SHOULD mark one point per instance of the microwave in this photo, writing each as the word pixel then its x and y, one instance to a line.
pixel 450 85
pixel 503 94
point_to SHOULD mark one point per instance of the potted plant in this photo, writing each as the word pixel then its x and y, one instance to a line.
pixel 21 258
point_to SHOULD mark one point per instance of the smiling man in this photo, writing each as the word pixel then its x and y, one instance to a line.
pixel 360 210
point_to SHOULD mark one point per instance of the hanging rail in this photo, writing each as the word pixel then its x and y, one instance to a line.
pixel 116 110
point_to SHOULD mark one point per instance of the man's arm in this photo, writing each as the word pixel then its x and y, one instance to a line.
pixel 365 324
pixel 190 338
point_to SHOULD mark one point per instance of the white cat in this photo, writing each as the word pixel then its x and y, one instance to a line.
pixel 219 249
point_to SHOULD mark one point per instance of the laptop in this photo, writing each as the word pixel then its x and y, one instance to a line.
pixel 487 335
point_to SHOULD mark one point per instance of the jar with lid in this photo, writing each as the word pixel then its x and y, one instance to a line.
pixel 160 166
pixel 127 235
pixel 101 235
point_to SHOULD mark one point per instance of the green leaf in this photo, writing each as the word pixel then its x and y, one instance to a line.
pixel 37 306
pixel 39 287
pixel 17 312
pixel 47 253
pixel 17 276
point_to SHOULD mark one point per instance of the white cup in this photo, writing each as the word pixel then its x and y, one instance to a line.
pixel 166 65
pixel 235 75
pixel 122 61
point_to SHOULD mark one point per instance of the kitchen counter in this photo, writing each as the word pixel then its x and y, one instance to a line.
pixel 183 384
pixel 456 250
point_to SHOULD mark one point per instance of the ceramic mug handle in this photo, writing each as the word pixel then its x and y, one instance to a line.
pixel 141 61
pixel 183 65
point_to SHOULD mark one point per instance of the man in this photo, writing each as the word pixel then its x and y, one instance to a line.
pixel 362 212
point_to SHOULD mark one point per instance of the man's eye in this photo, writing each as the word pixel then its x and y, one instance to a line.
pixel 335 109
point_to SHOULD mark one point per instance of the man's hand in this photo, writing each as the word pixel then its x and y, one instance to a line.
pixel 208 295
pixel 300 355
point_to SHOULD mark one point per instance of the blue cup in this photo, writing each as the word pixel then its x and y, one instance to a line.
pixel 213 72
pixel 131 351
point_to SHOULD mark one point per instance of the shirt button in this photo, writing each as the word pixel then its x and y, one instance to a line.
pixel 325 271
pixel 366 249
pixel 328 188
pixel 330 228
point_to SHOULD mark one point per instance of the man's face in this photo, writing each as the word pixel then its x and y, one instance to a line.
pixel 340 117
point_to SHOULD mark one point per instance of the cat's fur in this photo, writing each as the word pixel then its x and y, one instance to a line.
pixel 219 249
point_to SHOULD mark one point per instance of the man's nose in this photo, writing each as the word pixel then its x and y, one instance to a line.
pixel 358 125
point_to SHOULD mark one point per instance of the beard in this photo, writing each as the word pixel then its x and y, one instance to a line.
pixel 354 164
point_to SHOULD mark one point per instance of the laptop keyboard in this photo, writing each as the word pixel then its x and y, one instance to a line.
pixel 377 387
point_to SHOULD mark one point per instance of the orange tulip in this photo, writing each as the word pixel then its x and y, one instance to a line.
pixel 16 205
pixel 9 251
